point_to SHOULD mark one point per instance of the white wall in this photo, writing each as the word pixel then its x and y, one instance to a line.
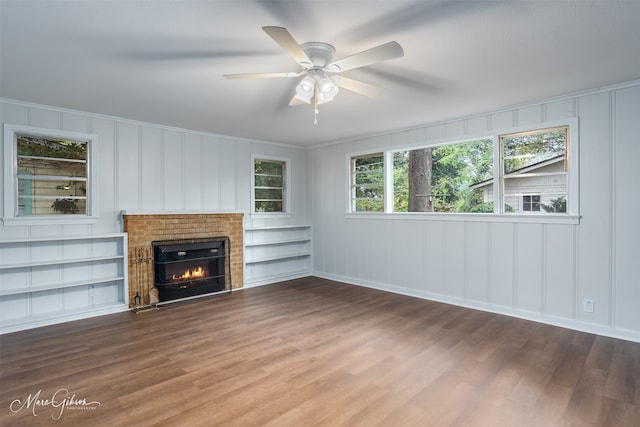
pixel 537 271
pixel 146 167
pixel 141 167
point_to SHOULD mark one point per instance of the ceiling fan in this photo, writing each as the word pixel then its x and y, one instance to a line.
pixel 321 81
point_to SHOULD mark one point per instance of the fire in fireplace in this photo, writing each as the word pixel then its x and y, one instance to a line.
pixel 186 268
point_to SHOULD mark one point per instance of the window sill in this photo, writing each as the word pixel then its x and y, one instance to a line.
pixel 270 214
pixel 468 217
pixel 49 220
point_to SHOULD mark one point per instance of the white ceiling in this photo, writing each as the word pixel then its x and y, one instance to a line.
pixel 162 61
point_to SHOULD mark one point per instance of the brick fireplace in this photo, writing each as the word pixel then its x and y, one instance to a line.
pixel 144 229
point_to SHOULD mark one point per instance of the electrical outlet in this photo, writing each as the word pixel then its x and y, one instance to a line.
pixel 587 305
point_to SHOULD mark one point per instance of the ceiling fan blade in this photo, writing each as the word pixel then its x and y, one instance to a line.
pixel 357 86
pixel 384 52
pixel 281 36
pixel 259 75
pixel 295 101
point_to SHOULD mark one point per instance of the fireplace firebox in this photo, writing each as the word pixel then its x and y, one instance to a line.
pixel 187 268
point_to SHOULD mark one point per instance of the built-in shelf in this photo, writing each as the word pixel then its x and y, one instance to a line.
pixel 60 262
pixel 279 258
pixel 59 238
pixel 59 286
pixel 52 279
pixel 281 242
pixel 276 253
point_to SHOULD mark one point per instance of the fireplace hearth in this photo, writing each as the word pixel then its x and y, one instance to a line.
pixel 188 268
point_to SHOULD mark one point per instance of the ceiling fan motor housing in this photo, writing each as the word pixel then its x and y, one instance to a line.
pixel 319 53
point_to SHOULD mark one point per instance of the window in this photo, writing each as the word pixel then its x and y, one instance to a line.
pixel 50 175
pixel 439 178
pixel 525 172
pixel 531 203
pixel 535 167
pixel 367 183
pixel 269 185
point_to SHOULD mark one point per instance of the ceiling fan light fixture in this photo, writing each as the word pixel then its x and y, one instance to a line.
pixel 305 90
pixel 327 90
pixel 307 84
pixel 328 87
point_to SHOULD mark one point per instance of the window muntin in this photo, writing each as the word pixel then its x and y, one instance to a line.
pixel 367 183
pixel 269 185
pixel 535 162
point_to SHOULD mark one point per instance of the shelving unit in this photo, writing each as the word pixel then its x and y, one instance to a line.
pixel 276 253
pixel 55 279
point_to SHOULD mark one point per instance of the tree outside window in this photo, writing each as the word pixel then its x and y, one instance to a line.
pixel 439 179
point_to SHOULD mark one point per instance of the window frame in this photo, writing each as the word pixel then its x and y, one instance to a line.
pixel 11 204
pixel 433 146
pixel 571 216
pixel 286 193
pixel 569 164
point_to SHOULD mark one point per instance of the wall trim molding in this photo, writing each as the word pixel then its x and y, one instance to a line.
pixel 509 108
pixel 88 114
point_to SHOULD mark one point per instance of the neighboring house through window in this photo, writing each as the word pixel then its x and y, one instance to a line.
pixel 535 164
pixel 531 203
pixel 51 175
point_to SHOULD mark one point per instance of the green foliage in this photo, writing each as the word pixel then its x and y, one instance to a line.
pixel 369 183
pixel 454 168
pixel 44 147
pixel 370 205
pixel 487 207
pixel 484 207
pixel 401 181
pixel 526 149
pixel 469 199
pixel 557 205
pixel 269 185
pixel 66 206
pixel 269 167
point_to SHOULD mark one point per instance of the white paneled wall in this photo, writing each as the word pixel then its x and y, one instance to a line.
pixel 155 168
pixel 537 271
pixel 152 168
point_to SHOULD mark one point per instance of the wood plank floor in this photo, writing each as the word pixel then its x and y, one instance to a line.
pixel 313 352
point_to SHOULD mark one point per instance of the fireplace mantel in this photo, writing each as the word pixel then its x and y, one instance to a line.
pixel 172 212
pixel 143 228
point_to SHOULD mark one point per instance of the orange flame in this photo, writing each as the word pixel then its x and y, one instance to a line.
pixel 190 274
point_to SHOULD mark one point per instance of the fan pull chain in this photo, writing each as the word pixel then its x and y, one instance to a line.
pixel 315 106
